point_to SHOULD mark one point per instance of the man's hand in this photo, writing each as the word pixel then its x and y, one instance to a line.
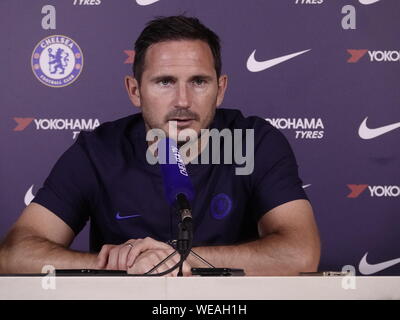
pixel 150 258
pixel 138 256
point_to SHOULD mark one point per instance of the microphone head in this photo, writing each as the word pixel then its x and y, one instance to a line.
pixel 175 176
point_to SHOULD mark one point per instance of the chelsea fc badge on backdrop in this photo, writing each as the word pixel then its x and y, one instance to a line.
pixel 57 61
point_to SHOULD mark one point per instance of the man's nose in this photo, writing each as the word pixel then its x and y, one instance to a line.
pixel 182 96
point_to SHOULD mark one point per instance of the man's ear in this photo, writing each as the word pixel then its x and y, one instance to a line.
pixel 132 86
pixel 222 85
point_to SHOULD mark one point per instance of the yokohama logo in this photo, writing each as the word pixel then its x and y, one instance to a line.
pixel 296 123
pixel 375 191
pixel 76 125
pixel 57 124
pixel 374 56
pixel 22 123
pixel 130 56
pixel 305 128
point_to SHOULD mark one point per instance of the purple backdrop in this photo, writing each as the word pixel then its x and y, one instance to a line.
pixel 319 99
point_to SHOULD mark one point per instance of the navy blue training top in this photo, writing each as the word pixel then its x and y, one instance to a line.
pixel 104 177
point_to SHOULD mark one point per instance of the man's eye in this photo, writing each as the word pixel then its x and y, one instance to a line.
pixel 165 82
pixel 199 82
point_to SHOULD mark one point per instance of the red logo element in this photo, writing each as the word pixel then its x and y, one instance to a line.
pixel 356 190
pixel 356 55
pixel 131 56
pixel 22 123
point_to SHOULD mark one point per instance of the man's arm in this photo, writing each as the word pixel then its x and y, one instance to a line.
pixel 40 238
pixel 289 243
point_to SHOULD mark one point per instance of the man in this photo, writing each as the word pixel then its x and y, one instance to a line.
pixel 261 222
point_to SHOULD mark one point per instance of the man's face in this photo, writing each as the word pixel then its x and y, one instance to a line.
pixel 179 83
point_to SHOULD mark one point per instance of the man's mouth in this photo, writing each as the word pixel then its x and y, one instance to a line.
pixel 182 122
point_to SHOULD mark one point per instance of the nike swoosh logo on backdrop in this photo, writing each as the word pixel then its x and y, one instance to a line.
pixel 366 2
pixel 366 268
pixel 29 196
pixel 146 2
pixel 366 133
pixel 255 66
pixel 306 186
pixel 119 217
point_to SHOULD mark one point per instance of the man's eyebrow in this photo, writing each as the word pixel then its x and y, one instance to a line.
pixel 202 77
pixel 163 78
pixel 167 77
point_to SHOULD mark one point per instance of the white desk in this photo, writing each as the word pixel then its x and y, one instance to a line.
pixel 199 288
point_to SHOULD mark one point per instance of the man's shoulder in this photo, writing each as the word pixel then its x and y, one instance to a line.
pixel 119 126
pixel 112 133
pixel 266 136
pixel 234 119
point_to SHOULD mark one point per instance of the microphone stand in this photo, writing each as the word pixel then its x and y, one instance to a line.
pixel 183 245
pixel 173 243
pixel 185 229
pixel 184 242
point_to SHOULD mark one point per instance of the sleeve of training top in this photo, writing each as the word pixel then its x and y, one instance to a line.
pixel 275 178
pixel 70 188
